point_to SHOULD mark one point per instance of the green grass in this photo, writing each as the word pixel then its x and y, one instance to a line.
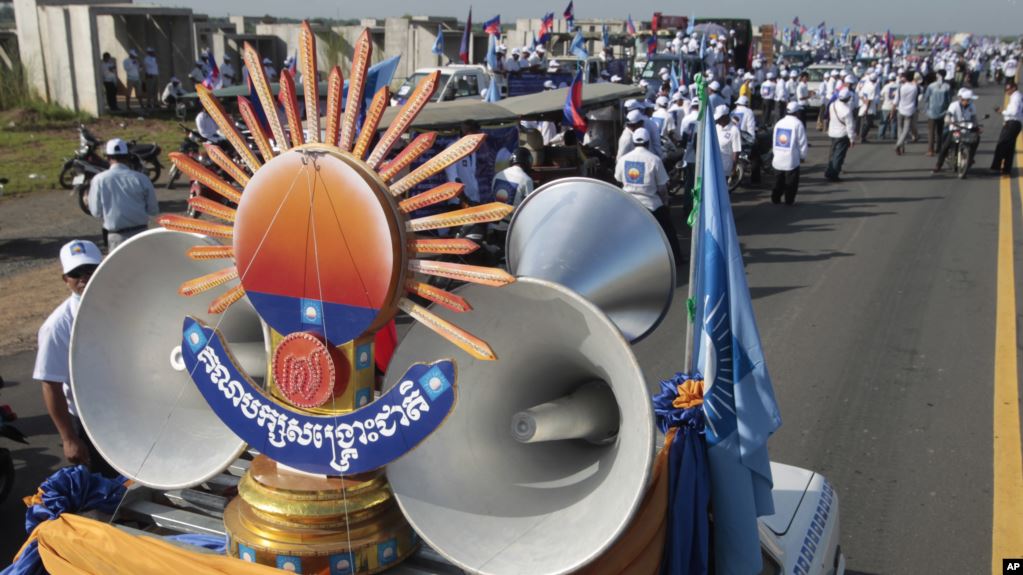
pixel 34 142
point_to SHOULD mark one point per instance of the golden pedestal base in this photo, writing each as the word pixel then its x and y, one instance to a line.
pixel 321 525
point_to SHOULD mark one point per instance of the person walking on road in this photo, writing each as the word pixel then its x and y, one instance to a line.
pixel 1012 115
pixel 121 197
pixel 936 98
pixel 789 151
pixel 889 123
pixel 78 260
pixel 842 131
pixel 905 105
pixel 643 176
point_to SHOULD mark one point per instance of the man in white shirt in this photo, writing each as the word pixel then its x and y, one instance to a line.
pixel 789 152
pixel 464 170
pixel 152 70
pixel 227 74
pixel 108 71
pixel 729 139
pixel 643 176
pixel 512 184
pixel 889 93
pixel 961 110
pixel 1012 115
pixel 634 120
pixel 171 92
pixel 781 95
pixel 905 106
pixel 268 70
pixel 132 79
pixel 803 95
pixel 842 131
pixel 663 118
pixel 687 134
pixel 207 127
pixel 78 259
pixel 767 98
pixel 746 118
pixel 867 92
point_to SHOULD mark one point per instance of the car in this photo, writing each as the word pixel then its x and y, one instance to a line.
pixel 456 82
pixel 817 73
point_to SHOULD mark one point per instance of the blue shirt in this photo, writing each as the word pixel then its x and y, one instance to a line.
pixel 937 98
pixel 122 198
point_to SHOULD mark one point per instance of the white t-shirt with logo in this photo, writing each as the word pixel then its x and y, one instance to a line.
pixel 54 348
pixel 641 172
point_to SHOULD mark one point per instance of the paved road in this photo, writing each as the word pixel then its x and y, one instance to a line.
pixel 876 300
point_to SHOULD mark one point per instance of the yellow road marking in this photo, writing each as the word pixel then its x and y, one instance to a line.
pixel 1007 511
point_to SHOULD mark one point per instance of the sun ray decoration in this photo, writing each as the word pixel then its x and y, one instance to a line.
pixel 289 101
pixel 356 87
pixel 258 78
pixel 341 139
pixel 409 154
pixel 221 159
pixel 310 82
pixel 252 122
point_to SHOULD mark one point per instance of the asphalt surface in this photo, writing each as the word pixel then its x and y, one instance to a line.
pixel 876 302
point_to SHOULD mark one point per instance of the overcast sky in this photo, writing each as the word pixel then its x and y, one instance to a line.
pixel 978 16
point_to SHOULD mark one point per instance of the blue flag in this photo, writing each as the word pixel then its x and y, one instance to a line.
pixel 438 45
pixel 691 24
pixel 604 35
pixel 493 91
pixel 578 47
pixel 674 79
pixel 739 405
pixel 378 76
pixel 492 52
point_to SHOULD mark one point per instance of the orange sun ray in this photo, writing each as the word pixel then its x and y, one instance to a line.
pixel 460 149
pixel 369 125
pixel 475 215
pixel 441 193
pixel 335 85
pixel 456 335
pixel 494 277
pixel 310 81
pixel 266 97
pixel 226 299
pixel 255 128
pixel 213 208
pixel 211 252
pixel 220 158
pixel 438 296
pixel 420 98
pixel 289 101
pixel 407 155
pixel 445 246
pixel 207 282
pixel 185 224
pixel 356 86
pixel 204 176
pixel 216 111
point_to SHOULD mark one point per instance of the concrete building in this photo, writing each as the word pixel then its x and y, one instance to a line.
pixel 61 42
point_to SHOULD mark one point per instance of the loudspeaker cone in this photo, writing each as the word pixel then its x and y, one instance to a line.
pixel 493 504
pixel 139 407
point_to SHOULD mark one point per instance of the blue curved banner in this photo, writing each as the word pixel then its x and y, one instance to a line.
pixel 357 442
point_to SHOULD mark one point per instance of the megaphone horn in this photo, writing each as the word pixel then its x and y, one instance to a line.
pixel 554 438
pixel 602 243
pixel 136 402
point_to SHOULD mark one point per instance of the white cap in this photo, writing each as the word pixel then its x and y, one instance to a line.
pixel 678 96
pixel 891 75
pixel 516 51
pixel 845 94
pixel 501 49
pixel 633 104
pixel 835 73
pixel 616 78
pixel 793 74
pixel 720 112
pixel 644 83
pixel 541 49
pixel 966 94
pixel 117 147
pixel 747 76
pixel 665 77
pixel 850 79
pixel 634 117
pixel 640 136
pixel 78 253
pixel 549 85
pixel 742 101
pixel 662 101
pixel 715 85
pixel 770 75
pixel 792 107
pixel 132 52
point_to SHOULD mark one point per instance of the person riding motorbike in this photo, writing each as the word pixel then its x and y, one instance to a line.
pixel 959 112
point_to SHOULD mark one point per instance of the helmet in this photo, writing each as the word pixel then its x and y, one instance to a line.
pixel 522 158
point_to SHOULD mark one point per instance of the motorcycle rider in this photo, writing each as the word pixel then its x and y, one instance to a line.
pixel 207 127
pixel 962 110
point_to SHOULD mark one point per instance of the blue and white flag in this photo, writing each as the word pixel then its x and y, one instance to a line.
pixel 438 45
pixel 493 91
pixel 739 405
pixel 578 47
pixel 492 52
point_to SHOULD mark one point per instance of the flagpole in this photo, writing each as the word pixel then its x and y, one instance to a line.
pixel 694 235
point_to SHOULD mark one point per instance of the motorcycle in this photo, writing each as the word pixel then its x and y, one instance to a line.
pixel 7 430
pixel 965 138
pixel 88 162
pixel 191 146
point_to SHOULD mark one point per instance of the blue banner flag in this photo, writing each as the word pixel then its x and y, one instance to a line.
pixel 438 45
pixel 463 48
pixel 578 47
pixel 493 91
pixel 739 404
pixel 604 36
pixel 492 52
